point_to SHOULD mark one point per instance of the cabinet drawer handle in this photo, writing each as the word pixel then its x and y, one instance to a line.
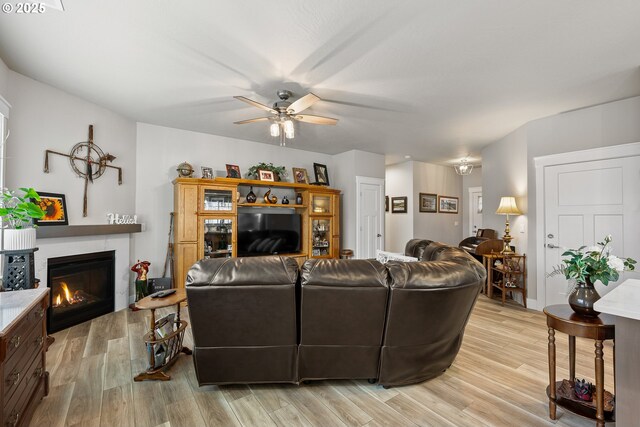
pixel 13 379
pixel 13 419
pixel 38 341
pixel 15 341
pixel 40 313
pixel 38 372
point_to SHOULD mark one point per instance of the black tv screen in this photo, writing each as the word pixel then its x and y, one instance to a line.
pixel 268 234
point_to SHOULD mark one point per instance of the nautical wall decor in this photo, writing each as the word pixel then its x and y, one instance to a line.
pixel 88 161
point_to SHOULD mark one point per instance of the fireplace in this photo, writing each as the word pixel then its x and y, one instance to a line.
pixel 82 288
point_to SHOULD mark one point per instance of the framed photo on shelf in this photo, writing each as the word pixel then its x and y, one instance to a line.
pixel 55 209
pixel 320 171
pixel 428 202
pixel 300 176
pixel 207 173
pixel 399 204
pixel 264 175
pixel 233 171
pixel 447 204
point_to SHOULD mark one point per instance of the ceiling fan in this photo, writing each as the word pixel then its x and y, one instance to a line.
pixel 284 112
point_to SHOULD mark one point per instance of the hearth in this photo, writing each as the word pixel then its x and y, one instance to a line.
pixel 82 288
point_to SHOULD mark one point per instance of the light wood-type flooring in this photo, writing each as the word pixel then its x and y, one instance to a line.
pixel 498 379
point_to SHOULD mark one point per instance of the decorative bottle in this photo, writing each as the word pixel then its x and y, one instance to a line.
pixel 251 196
pixel 298 198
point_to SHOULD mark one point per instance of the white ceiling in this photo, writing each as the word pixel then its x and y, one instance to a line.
pixel 436 79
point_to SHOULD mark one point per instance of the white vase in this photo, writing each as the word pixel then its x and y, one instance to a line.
pixel 15 240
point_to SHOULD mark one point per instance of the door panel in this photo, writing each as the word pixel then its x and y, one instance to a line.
pixel 370 216
pixel 583 203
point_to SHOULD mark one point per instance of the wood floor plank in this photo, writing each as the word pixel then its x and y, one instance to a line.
pixel 67 368
pixel 418 413
pixel 288 416
pixel 348 411
pixel 215 409
pixel 382 414
pixel 269 395
pixel 86 404
pixel 149 407
pixel 53 409
pixel 118 363
pixel 185 413
pixel 117 406
pixel 313 409
pixel 250 412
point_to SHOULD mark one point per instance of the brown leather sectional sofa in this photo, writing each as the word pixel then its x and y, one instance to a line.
pixel 263 320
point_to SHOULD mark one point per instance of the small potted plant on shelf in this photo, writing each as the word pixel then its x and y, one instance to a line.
pixel 279 172
pixel 17 212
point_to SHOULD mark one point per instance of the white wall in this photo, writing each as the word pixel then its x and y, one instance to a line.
pixel 504 173
pixel 43 117
pixel 399 226
pixel 603 125
pixel 4 79
pixel 160 149
pixel 468 181
pixel 347 166
pixel 441 180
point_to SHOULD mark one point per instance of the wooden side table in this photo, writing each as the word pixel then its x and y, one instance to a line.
pixel 512 273
pixel 562 318
pixel 173 341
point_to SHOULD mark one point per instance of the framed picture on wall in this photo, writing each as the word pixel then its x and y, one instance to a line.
pixel 428 202
pixel 386 203
pixel 447 204
pixel 55 209
pixel 399 204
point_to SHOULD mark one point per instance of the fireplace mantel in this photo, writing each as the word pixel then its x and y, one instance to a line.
pixel 55 231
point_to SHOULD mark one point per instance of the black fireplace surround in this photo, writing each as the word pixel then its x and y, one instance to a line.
pixel 82 288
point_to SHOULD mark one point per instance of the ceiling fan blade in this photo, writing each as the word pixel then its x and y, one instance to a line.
pixel 316 120
pixel 303 103
pixel 258 119
pixel 256 104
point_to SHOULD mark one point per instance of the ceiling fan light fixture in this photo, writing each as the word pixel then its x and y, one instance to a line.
pixel 464 167
pixel 275 129
pixel 288 127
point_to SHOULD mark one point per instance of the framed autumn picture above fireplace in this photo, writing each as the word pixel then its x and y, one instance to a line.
pixel 55 209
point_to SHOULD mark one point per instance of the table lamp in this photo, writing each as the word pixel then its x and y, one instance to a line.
pixel 507 207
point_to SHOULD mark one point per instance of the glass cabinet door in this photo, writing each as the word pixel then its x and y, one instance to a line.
pixel 321 237
pixel 217 200
pixel 218 237
pixel 320 204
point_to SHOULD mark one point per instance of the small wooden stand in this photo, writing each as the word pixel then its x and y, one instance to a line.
pixel 173 341
pixel 562 318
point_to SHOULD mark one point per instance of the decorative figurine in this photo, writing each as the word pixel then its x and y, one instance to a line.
pixel 285 201
pixel 141 268
pixel 583 390
pixel 298 198
pixel 251 196
pixel 271 199
pixel 185 170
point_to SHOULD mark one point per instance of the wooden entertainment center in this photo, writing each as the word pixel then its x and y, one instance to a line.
pixel 206 217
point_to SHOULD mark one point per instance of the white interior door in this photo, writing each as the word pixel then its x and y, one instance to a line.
pixel 475 210
pixel 583 203
pixel 370 216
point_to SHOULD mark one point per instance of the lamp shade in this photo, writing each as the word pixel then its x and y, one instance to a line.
pixel 508 206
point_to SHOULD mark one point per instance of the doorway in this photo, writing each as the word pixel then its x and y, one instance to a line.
pixel 475 210
pixel 585 196
pixel 369 216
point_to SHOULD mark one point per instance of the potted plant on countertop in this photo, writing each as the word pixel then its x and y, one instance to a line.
pixel 17 212
pixel 279 172
pixel 585 266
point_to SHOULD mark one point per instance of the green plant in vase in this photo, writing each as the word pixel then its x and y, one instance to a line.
pixel 587 265
pixel 279 172
pixel 18 209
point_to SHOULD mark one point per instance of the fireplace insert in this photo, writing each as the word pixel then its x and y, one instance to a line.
pixel 82 288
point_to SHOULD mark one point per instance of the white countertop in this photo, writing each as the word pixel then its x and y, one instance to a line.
pixel 623 301
pixel 14 303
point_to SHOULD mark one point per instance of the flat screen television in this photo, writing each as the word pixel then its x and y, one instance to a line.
pixel 268 234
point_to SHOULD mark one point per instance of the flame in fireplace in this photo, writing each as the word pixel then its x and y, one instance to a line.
pixel 66 297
